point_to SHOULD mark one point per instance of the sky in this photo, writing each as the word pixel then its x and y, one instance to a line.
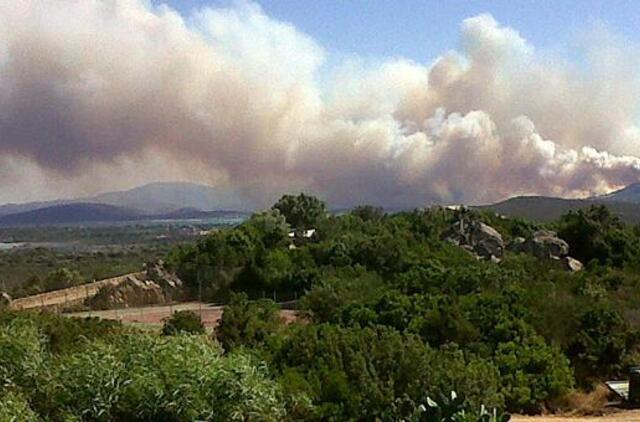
pixel 392 103
pixel 422 29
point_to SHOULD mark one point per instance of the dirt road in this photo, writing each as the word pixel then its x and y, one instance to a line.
pixel 155 315
pixel 615 416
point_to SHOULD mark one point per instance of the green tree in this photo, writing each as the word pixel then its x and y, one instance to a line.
pixel 269 227
pixel 596 234
pixel 533 372
pixel 61 279
pixel 247 323
pixel 302 211
pixel 600 344
pixel 368 212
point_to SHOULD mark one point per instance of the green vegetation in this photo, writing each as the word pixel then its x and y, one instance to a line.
pixel 393 314
pixel 392 319
pixel 183 322
pixel 94 252
pixel 126 375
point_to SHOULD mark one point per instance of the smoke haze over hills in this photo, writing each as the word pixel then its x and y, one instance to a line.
pixel 102 95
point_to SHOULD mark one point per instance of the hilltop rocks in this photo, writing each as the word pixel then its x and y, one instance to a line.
pixel 485 242
pixel 545 244
pixel 479 238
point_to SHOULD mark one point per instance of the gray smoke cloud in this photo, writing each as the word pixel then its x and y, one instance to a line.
pixel 104 94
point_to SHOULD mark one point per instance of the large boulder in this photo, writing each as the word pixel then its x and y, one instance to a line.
pixel 131 292
pixel 544 244
pixel 5 300
pixel 572 264
pixel 481 239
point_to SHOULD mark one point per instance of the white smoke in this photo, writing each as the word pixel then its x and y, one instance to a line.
pixel 104 94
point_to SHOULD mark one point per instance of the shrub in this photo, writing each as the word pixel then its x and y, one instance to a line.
pixel 247 323
pixel 377 372
pixel 183 322
pixel 14 408
pixel 22 353
pixel 187 378
pixel 532 372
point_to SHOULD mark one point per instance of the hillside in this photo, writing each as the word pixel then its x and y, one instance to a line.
pixel 630 193
pixel 70 213
pixel 543 208
pixel 157 198
pixel 103 213
pixel 154 198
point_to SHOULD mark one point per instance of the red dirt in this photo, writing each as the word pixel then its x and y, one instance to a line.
pixel 155 315
pixel 621 416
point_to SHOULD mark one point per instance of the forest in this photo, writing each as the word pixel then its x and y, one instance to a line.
pixel 393 318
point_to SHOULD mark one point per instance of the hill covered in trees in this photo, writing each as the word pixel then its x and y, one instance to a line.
pixel 392 317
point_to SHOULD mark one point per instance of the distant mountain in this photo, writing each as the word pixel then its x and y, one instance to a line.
pixel 192 214
pixel 630 193
pixel 157 198
pixel 154 198
pixel 70 213
pixel 544 208
pixel 28 206
pixel 103 213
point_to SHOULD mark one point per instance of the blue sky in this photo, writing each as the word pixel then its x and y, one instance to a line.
pixel 421 30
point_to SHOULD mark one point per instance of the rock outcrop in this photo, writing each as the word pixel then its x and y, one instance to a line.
pixel 545 244
pixel 157 287
pixel 131 292
pixel 170 284
pixel 476 237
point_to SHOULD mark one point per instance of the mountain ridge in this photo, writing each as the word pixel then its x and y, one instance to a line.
pixel 78 213
pixel 625 203
pixel 152 198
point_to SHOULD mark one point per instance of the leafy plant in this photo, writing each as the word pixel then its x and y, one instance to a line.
pixel 183 322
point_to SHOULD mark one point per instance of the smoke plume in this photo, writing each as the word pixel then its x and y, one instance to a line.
pixel 104 94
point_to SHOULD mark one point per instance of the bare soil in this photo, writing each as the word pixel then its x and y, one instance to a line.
pixel 615 416
pixel 155 315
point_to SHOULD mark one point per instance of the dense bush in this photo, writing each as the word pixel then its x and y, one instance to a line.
pixel 246 323
pixel 183 322
pixel 368 277
pixel 378 372
pixel 14 408
pixel 130 376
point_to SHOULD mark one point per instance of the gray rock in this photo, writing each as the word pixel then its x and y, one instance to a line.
pixel 131 292
pixel 544 244
pixel 481 239
pixel 169 282
pixel 572 264
pixel 5 299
